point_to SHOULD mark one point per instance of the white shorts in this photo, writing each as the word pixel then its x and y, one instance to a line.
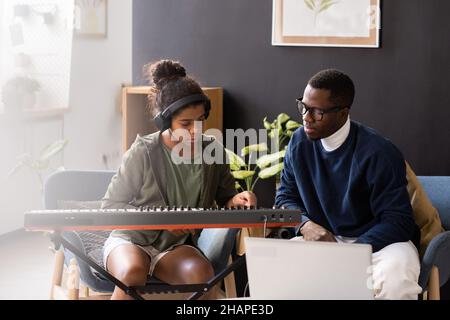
pixel 154 254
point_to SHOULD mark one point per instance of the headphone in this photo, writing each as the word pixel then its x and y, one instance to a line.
pixel 163 120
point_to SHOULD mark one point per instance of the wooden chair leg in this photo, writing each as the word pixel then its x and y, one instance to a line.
pixel 433 284
pixel 86 292
pixel 73 281
pixel 57 272
pixel 230 283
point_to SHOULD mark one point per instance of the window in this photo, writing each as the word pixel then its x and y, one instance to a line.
pixel 36 42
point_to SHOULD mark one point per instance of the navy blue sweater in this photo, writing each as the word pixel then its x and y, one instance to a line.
pixel 358 190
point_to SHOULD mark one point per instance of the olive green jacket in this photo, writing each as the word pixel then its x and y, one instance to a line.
pixel 141 181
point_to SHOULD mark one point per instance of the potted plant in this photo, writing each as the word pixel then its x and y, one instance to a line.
pixel 19 93
pixel 42 163
pixel 266 166
pixel 269 165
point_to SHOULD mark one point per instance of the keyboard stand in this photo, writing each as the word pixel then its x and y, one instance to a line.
pixel 199 289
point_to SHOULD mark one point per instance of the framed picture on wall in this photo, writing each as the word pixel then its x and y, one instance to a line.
pixel 326 23
pixel 91 18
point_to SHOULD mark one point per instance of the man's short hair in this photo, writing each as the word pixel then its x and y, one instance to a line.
pixel 342 89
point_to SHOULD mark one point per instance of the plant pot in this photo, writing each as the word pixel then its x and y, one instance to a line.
pixel 20 93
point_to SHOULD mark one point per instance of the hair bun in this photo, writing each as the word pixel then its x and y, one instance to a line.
pixel 164 71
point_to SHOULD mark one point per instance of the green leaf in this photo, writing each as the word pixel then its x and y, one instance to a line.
pixel 52 149
pixel 242 174
pixel 325 2
pixel 267 124
pixel 280 131
pixel 237 185
pixel 289 133
pixel 40 164
pixel 282 118
pixel 236 162
pixel 25 159
pixel 292 125
pixel 16 168
pixel 268 159
pixel 310 4
pixel 273 125
pixel 262 147
pixel 271 171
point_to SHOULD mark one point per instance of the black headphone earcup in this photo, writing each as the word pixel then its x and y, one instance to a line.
pixel 167 123
pixel 159 122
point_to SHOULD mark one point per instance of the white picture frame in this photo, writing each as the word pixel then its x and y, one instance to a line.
pixel 91 18
pixel 326 23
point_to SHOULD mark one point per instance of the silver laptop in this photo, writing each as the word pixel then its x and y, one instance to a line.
pixel 306 270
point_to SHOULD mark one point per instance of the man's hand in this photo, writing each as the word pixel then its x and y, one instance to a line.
pixel 243 199
pixel 313 232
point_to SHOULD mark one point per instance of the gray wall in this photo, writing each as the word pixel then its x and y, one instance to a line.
pixel 402 87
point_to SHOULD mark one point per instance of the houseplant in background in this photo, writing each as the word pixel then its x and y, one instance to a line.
pixel 280 132
pixel 19 93
pixel 247 173
pixel 40 164
pixel 268 165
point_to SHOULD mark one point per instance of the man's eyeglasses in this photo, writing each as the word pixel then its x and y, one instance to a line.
pixel 315 113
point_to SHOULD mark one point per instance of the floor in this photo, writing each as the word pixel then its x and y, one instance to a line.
pixel 26 266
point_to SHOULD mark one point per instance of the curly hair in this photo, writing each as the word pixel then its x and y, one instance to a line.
pixel 171 83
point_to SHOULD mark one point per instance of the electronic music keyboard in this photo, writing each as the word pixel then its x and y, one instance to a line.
pixel 159 218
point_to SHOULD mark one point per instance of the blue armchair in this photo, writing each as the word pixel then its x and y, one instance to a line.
pixel 85 189
pixel 435 268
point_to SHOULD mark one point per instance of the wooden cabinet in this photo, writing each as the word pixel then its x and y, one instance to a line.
pixel 137 119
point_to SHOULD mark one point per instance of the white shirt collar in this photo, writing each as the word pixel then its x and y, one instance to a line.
pixel 334 141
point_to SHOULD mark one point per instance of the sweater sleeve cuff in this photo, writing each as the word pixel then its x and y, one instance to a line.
pixel 304 220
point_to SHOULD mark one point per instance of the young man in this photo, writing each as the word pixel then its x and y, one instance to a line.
pixel 351 184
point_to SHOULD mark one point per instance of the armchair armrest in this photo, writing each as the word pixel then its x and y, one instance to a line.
pixel 437 254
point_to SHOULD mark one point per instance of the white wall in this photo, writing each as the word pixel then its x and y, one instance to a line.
pixel 22 191
pixel 92 126
pixel 99 67
pixel 2 44
pixel 42 44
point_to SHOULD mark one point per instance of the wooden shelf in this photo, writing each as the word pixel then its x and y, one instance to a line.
pixel 40 113
pixel 136 118
pixel 146 89
pixel 45 112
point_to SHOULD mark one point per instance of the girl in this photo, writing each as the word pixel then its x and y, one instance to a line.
pixel 149 177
